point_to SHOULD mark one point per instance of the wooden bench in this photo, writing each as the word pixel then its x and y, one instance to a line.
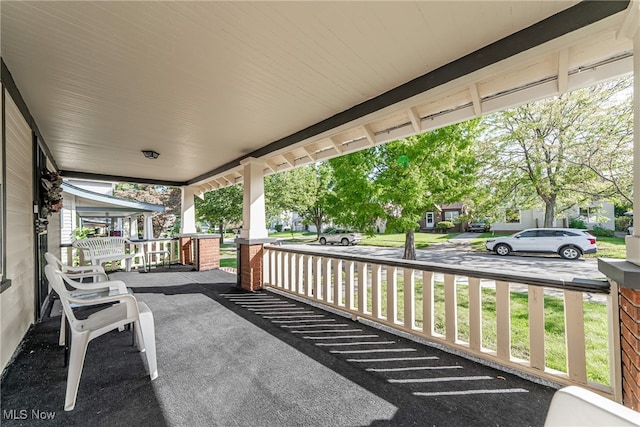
pixel 104 249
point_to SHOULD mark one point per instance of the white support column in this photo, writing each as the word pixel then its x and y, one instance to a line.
pixel 253 210
pixel 133 227
pixel 119 226
pixel 148 226
pixel 631 30
pixel 188 219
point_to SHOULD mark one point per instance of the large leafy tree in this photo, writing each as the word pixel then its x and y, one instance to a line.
pixel 221 207
pixel 169 197
pixel 399 181
pixel 300 190
pixel 572 148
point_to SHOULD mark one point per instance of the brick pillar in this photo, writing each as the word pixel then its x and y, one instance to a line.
pixel 208 253
pixel 185 251
pixel 251 266
pixel 630 346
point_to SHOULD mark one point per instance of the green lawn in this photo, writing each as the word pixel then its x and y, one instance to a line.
pixel 423 240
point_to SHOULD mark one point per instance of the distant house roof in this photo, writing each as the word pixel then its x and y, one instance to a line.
pixel 92 204
pixel 452 206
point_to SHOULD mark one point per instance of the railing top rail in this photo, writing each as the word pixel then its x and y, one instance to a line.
pixel 577 284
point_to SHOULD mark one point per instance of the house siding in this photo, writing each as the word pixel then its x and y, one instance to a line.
pixel 17 303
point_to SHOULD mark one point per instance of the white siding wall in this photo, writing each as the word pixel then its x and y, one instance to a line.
pixel 17 302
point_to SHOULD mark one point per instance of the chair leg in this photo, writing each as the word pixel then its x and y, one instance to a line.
pixel 63 324
pixel 149 336
pixel 79 343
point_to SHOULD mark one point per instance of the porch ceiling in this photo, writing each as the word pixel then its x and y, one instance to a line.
pixel 208 83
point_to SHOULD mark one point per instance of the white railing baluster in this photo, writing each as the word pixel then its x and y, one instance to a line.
pixel 337 282
pixel 574 333
pixel 536 328
pixel 327 289
pixel 280 269
pixel 308 275
pixel 475 314
pixel 363 272
pixel 299 273
pixel 409 289
pixel 376 291
pixel 273 256
pixel 291 272
pixel 450 308
pixel 349 276
pixel 317 278
pixel 392 295
pixel 503 320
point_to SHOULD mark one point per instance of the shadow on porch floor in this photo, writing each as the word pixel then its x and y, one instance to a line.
pixel 226 357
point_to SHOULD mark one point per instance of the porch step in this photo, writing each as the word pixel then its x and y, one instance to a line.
pixel 423 371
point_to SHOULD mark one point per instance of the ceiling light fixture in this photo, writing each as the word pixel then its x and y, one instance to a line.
pixel 150 154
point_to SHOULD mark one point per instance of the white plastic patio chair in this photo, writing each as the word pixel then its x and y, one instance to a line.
pixel 101 285
pixel 125 310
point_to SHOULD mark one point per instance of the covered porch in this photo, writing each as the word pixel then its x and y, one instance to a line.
pixel 228 357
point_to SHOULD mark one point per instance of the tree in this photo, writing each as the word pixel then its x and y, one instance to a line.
pixel 399 181
pixel 169 197
pixel 300 190
pixel 569 149
pixel 222 206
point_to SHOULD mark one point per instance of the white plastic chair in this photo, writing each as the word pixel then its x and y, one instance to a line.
pixel 101 285
pixel 125 310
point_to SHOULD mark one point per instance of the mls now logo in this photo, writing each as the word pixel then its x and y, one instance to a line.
pixel 23 414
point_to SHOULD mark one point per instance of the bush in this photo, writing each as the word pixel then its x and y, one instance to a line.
pixel 444 225
pixel 622 223
pixel 278 227
pixel 577 223
pixel 601 231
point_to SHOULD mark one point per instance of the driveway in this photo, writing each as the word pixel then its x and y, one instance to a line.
pixel 458 252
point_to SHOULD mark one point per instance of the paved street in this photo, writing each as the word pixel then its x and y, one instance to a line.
pixel 459 253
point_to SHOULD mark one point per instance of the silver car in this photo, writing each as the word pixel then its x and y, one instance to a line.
pixel 341 236
pixel 569 243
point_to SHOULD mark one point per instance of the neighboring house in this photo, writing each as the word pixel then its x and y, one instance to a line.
pixel 90 204
pixel 601 214
pixel 451 212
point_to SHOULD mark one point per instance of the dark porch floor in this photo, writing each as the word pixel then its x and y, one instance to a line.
pixel 226 358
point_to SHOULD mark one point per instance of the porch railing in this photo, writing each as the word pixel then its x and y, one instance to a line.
pixel 467 310
pixel 74 256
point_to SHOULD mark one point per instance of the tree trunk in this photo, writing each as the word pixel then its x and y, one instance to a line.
pixel 409 246
pixel 549 211
pixel 221 233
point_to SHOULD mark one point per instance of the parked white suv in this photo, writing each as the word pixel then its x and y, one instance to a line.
pixel 569 243
pixel 344 237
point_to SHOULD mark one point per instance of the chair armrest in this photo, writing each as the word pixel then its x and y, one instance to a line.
pixel 129 300
pixel 101 276
pixel 118 285
pixel 125 298
pixel 66 269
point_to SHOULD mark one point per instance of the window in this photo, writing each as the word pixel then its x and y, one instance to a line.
pixel 512 215
pixel 589 214
pixel 451 215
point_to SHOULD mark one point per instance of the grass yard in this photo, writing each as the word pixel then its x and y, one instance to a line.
pixel 423 240
pixel 228 256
